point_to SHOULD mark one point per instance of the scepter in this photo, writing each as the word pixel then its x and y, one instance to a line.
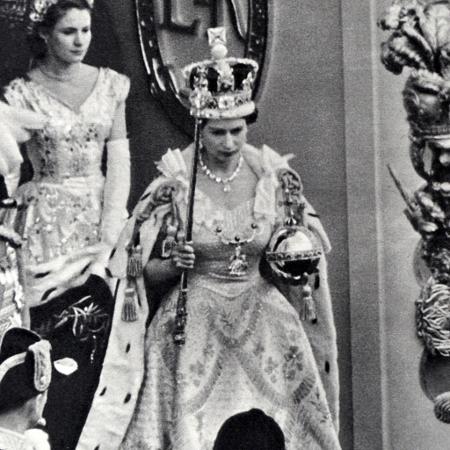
pixel 179 334
pixel 201 99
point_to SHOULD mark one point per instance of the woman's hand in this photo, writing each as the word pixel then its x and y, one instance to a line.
pixel 159 270
pixel 183 256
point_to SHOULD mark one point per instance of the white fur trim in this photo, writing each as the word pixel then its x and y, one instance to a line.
pixel 120 381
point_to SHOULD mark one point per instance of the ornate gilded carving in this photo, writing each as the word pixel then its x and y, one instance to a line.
pixel 249 18
pixel 420 40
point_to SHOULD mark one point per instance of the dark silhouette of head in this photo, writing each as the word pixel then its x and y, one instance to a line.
pixel 250 430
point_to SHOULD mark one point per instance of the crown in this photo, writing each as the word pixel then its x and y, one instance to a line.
pixel 39 9
pixel 221 87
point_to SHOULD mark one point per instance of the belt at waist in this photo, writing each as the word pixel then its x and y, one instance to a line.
pixel 72 183
pixel 226 285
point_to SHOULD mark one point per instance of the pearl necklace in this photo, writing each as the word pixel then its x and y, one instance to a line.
pixel 225 181
pixel 61 78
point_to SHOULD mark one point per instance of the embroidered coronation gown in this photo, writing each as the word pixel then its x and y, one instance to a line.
pixel 62 214
pixel 245 344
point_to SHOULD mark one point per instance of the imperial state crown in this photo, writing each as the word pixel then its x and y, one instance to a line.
pixel 221 87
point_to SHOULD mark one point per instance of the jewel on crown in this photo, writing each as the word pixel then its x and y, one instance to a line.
pixel 217 42
pixel 39 9
pixel 221 87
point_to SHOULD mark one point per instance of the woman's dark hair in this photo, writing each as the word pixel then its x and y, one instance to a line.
pixel 54 13
pixel 251 118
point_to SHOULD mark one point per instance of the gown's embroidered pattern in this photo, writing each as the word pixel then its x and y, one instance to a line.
pixel 64 198
pixel 245 348
pixel 11 291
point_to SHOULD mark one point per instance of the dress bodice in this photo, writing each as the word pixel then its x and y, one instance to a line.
pixel 71 143
pixel 63 202
pixel 229 243
pixel 218 253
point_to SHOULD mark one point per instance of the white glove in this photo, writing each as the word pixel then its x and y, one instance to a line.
pixel 115 197
pixel 37 439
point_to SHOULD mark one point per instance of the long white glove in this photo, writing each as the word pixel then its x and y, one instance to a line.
pixel 115 197
pixel 15 124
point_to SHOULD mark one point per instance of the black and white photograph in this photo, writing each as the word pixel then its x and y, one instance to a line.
pixel 224 224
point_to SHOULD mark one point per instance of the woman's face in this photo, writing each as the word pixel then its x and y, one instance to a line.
pixel 69 40
pixel 224 138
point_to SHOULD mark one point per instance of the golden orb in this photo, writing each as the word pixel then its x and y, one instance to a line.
pixel 293 252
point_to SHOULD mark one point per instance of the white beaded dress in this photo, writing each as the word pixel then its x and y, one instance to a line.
pixel 66 228
pixel 63 200
pixel 11 440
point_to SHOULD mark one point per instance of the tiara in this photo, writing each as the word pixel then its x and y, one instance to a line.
pixel 39 9
pixel 221 87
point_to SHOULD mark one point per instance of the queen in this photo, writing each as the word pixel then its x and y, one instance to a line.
pixel 243 343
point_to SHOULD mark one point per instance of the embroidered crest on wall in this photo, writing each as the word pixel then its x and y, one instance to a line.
pixel 172 34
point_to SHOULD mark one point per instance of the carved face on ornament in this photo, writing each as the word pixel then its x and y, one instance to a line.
pixel 439 150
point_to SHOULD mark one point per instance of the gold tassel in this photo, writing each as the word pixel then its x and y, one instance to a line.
pixel 134 266
pixel 308 308
pixel 129 309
